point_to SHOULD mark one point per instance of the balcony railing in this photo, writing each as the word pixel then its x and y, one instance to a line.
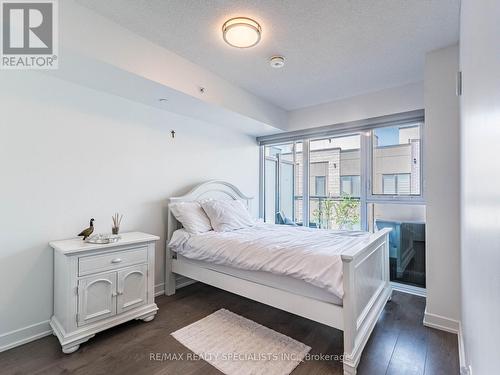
pixel 332 212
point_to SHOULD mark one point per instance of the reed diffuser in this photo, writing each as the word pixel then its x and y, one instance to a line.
pixel 117 219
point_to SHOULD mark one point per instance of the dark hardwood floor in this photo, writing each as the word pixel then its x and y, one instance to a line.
pixel 400 344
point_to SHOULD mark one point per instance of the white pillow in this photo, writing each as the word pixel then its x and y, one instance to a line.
pixel 192 217
pixel 227 215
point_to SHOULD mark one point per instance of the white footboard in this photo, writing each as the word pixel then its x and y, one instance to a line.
pixel 366 290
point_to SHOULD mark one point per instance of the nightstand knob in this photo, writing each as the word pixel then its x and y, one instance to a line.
pixel 116 260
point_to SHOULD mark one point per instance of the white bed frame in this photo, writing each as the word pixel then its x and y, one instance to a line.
pixel 365 280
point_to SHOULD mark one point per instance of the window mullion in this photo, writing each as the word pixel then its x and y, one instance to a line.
pixel 365 173
pixel 261 182
pixel 305 182
pixel 277 203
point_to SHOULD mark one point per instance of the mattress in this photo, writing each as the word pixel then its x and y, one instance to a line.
pixel 307 255
pixel 285 283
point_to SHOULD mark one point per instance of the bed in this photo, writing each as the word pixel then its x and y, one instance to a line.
pixel 353 307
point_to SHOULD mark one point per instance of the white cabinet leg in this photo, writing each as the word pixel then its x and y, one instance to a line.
pixel 70 349
pixel 148 318
pixel 74 345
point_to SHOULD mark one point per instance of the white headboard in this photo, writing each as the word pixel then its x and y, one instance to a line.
pixel 214 189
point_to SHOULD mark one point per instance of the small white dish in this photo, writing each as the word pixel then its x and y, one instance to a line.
pixel 103 238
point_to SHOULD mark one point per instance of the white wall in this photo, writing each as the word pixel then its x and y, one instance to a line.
pixel 442 189
pixel 480 198
pixel 69 153
pixel 385 102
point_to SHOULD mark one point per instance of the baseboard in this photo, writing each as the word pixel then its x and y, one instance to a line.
pixel 441 322
pixel 159 289
pixel 453 326
pixel 464 369
pixel 24 335
pixel 36 331
pixel 180 282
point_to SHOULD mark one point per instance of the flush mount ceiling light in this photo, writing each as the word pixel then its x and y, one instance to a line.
pixel 241 32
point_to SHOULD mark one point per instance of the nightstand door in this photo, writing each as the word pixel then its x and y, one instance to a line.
pixel 132 288
pixel 96 298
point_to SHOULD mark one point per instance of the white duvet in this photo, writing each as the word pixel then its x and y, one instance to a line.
pixel 312 255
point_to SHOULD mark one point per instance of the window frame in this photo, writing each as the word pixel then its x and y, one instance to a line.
pixel 365 129
pixel 276 186
pixel 388 198
pixel 278 161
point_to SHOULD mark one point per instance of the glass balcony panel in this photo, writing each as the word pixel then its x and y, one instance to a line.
pixel 406 240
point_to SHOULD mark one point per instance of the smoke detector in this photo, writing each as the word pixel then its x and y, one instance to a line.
pixel 277 62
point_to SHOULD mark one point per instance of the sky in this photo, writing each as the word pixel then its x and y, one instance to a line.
pixel 387 136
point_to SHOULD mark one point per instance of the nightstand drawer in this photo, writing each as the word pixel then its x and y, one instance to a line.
pixel 106 262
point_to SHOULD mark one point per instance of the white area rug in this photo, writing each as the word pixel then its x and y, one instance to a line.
pixel 239 346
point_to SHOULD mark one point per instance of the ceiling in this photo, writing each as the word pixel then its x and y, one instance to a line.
pixel 333 48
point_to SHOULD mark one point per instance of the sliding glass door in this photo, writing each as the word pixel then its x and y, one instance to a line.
pixel 283 190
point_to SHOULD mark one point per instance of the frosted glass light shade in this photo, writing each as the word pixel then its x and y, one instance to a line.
pixel 241 32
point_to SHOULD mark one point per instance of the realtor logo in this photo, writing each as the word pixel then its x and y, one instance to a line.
pixel 29 34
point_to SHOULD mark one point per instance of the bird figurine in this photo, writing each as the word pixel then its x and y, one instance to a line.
pixel 87 232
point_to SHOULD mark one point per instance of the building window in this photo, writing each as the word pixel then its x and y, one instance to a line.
pixel 350 185
pixel 396 184
pixel 320 185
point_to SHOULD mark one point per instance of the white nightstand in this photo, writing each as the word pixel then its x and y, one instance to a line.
pixel 99 286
